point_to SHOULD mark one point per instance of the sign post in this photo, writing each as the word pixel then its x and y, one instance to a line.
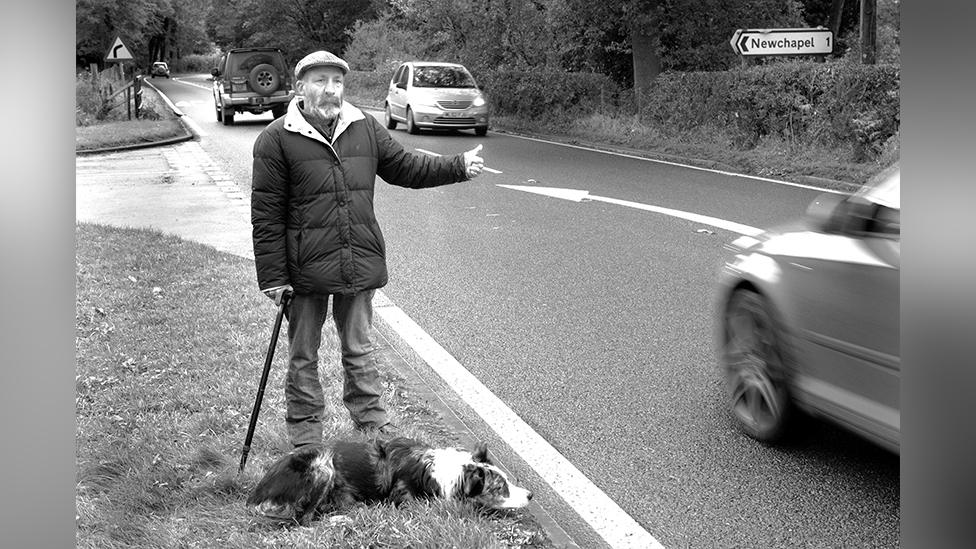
pixel 756 42
pixel 120 54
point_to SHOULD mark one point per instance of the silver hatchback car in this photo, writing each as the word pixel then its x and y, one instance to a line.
pixel 435 95
pixel 808 318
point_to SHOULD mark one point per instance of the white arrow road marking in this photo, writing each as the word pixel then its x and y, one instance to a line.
pixel 432 153
pixel 575 195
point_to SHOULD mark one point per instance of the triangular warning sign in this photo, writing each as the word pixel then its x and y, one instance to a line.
pixel 118 51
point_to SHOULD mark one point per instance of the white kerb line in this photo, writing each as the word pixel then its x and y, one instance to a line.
pixel 611 522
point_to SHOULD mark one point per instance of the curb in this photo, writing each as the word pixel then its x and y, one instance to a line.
pixel 188 133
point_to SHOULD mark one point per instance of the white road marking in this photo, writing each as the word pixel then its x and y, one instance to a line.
pixel 432 153
pixel 194 84
pixel 611 522
pixel 575 195
pixel 678 164
pixel 197 128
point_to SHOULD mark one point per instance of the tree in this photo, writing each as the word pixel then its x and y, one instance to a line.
pixel 99 22
pixel 295 26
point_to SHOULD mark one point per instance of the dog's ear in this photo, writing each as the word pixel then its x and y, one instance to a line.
pixel 473 482
pixel 480 454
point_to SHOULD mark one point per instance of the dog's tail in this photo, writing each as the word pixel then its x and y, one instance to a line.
pixel 294 486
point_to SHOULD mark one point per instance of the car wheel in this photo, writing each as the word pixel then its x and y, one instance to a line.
pixel 391 124
pixel 481 131
pixel 279 110
pixel 220 114
pixel 264 79
pixel 228 117
pixel 755 371
pixel 411 125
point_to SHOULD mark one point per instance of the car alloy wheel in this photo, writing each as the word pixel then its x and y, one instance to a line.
pixel 755 374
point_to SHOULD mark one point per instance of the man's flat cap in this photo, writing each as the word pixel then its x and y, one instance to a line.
pixel 320 58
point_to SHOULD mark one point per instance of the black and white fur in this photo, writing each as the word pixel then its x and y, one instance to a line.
pixel 317 479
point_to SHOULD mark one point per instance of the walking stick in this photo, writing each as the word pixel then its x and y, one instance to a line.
pixel 264 381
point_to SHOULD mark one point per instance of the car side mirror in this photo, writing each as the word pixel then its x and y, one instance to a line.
pixel 401 86
pixel 215 72
pixel 824 212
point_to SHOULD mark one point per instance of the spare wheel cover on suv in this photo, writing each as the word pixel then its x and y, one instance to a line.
pixel 264 79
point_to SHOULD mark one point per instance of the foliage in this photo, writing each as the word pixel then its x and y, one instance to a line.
pixel 196 63
pixel 152 29
pixel 297 27
pixel 547 94
pixel 801 103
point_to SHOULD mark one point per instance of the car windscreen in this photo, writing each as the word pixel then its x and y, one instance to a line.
pixel 435 76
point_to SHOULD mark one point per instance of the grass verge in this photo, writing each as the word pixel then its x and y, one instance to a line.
pixel 170 343
pixel 157 123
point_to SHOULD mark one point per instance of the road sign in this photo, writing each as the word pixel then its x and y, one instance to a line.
pixel 816 41
pixel 118 51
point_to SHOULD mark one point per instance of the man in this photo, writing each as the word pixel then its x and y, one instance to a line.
pixel 316 235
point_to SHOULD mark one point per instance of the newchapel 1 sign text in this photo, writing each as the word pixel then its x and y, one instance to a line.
pixel 816 41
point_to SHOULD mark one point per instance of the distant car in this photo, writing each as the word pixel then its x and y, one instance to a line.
pixel 159 68
pixel 435 95
pixel 252 80
pixel 809 318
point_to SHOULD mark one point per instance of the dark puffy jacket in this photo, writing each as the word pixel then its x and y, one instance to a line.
pixel 312 202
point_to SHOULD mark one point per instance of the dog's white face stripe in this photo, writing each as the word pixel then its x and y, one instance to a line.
pixel 446 468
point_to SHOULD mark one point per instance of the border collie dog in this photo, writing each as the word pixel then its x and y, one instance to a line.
pixel 316 479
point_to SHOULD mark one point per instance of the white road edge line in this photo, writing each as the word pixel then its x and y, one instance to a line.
pixel 680 165
pixel 611 522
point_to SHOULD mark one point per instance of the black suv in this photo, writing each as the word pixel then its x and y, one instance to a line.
pixel 253 80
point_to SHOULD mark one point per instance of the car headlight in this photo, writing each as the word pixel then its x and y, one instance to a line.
pixel 478 101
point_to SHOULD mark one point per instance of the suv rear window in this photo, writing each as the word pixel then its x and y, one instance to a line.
pixel 243 62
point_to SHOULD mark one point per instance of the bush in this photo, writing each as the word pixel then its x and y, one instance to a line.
pixel 196 63
pixel 801 103
pixel 541 94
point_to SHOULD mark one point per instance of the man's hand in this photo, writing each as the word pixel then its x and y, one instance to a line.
pixel 473 164
pixel 279 293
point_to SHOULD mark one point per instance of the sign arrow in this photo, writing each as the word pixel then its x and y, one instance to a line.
pixel 118 51
pixel 574 195
pixel 734 42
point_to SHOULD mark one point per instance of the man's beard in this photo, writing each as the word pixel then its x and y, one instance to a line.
pixel 324 110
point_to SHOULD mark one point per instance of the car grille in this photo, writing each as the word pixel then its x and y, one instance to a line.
pixel 449 105
pixel 454 121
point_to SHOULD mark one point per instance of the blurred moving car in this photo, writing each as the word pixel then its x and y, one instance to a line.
pixel 159 68
pixel 435 95
pixel 809 318
pixel 251 80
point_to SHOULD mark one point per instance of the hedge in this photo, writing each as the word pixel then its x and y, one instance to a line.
pixel 800 102
pixel 540 94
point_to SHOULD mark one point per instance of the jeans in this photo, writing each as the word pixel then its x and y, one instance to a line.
pixel 362 390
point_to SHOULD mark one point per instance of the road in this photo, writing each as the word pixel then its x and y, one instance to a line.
pixel 594 322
